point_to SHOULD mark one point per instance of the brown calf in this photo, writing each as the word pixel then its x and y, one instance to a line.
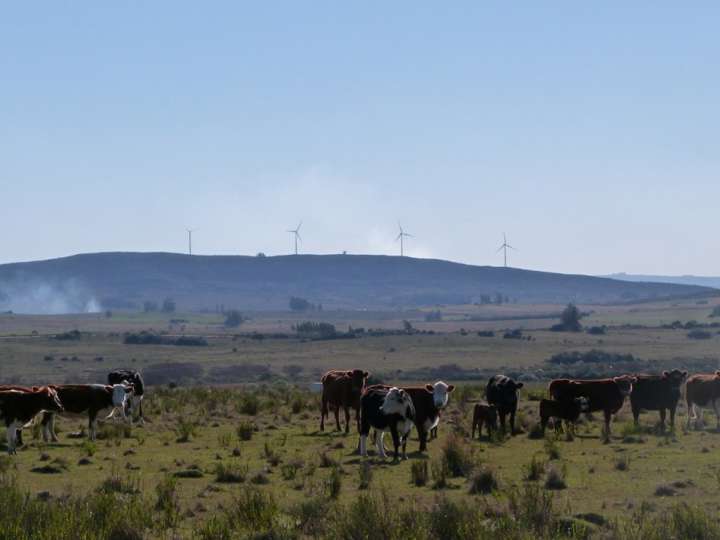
pixel 484 414
pixel 342 389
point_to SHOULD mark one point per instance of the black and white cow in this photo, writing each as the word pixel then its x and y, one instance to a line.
pixel 133 378
pixel 386 409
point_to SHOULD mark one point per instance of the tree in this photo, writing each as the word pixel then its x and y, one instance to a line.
pixel 233 318
pixel 149 306
pixel 299 304
pixel 168 305
pixel 570 319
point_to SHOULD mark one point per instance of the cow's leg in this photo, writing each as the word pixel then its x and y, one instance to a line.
pixel 636 416
pixel 716 408
pixel 672 418
pixel 396 442
pixel 11 434
pixel 422 435
pixel 608 416
pixel 336 411
pixel 18 437
pixel 512 421
pixel 357 418
pixel 380 444
pixel 363 444
pixel 92 425
pixel 662 420
pixel 323 413
pixel 474 425
pixel 502 420
pixel 691 415
pixel 141 420
pixel 347 419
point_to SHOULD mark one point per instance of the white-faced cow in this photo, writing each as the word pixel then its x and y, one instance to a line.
pixel 606 395
pixel 386 409
pixel 657 393
pixel 429 401
pixel 17 408
pixel 702 391
pixel 133 378
pixel 502 392
pixel 342 389
pixel 90 400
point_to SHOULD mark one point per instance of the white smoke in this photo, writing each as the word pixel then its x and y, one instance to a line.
pixel 32 296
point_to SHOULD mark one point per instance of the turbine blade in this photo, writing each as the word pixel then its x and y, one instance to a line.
pixel 499 249
pixel 408 234
pixel 299 225
pixel 399 236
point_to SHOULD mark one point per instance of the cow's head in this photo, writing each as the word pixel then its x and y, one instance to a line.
pixel 582 403
pixel 358 379
pixel 625 384
pixel 506 389
pixel 675 377
pixel 440 392
pixel 52 400
pixel 119 396
pixel 398 401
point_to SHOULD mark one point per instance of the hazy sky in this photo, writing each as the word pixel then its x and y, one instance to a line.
pixel 588 131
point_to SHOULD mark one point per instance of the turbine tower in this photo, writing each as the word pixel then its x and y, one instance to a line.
pixel 504 247
pixel 190 231
pixel 401 237
pixel 296 234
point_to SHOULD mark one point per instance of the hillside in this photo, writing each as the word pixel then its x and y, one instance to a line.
pixel 702 281
pixel 125 280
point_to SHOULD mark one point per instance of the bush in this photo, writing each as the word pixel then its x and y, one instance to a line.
pixel 554 479
pixel 483 481
pixel 486 333
pixel 533 471
pixel 440 473
pixel 597 330
pixel 699 334
pixel 72 335
pixel 168 501
pixel 457 456
pixel 365 475
pixel 334 483
pixel 186 430
pixel 513 334
pixel 249 404
pixel 622 463
pixel 245 430
pixel 551 448
pixel 230 472
pixel 233 319
pixel 316 330
pixel 419 473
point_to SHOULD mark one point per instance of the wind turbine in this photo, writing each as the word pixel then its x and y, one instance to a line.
pixel 296 234
pixel 400 237
pixel 504 247
pixel 190 231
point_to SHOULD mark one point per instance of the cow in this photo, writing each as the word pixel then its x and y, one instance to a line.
pixel 569 411
pixel 657 393
pixel 484 414
pixel 386 410
pixel 133 378
pixel 502 392
pixel 88 399
pixel 429 400
pixel 605 395
pixel 342 389
pixel 703 391
pixel 17 408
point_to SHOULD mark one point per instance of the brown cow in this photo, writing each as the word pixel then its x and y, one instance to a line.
pixel 17 408
pixel 342 389
pixel 484 414
pixel 605 395
pixel 87 399
pixel 703 391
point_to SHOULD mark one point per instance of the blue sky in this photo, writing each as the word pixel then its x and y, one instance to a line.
pixel 588 131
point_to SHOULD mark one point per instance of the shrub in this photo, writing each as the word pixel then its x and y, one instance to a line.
pixel 597 330
pixel 72 335
pixel 289 470
pixel 554 479
pixel 168 501
pixel 699 334
pixel 230 472
pixel 486 333
pixel 233 319
pixel 249 404
pixel 457 456
pixel 551 448
pixel 483 481
pixel 533 471
pixel 440 473
pixel 419 473
pixel 186 430
pixel 245 430
pixel 334 483
pixel 119 483
pixel 622 463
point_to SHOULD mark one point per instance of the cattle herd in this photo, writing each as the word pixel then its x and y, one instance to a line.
pixel 386 408
pixel 396 409
pixel 20 405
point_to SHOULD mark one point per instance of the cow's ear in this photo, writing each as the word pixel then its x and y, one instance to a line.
pixel 366 374
pixel 429 388
pixel 349 373
pixel 684 373
pixel 519 385
pixel 450 387
pixel 665 374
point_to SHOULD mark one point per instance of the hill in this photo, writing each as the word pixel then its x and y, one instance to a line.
pixel 702 281
pixel 91 282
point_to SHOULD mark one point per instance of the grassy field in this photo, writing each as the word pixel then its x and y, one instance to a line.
pixel 175 468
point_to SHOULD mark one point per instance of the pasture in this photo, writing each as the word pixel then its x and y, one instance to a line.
pixel 241 456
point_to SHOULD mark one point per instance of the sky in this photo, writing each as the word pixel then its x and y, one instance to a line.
pixel 586 131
